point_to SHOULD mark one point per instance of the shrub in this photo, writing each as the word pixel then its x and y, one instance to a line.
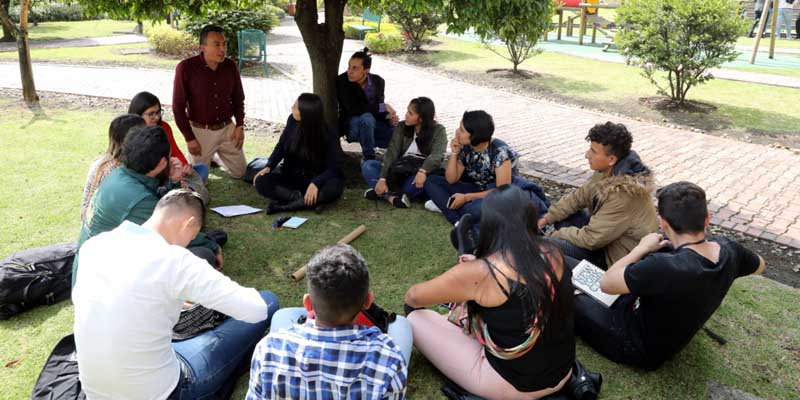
pixel 383 43
pixel 279 12
pixel 418 23
pixel 351 33
pixel 49 12
pixel 169 41
pixel 233 21
pixel 679 38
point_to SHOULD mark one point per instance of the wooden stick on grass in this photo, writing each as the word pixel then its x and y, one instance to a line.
pixel 301 273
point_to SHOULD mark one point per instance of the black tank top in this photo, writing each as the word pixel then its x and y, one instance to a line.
pixel 553 354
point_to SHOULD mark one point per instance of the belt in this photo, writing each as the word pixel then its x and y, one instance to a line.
pixel 210 127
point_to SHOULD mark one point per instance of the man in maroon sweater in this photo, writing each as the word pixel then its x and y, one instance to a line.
pixel 206 94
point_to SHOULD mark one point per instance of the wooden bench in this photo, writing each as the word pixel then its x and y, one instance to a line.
pixel 367 16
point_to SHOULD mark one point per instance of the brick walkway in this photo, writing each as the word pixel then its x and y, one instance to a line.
pixel 749 186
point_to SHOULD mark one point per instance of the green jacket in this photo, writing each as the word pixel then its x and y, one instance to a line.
pixel 124 195
pixel 433 149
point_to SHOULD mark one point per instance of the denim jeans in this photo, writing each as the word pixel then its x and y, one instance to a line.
pixel 573 252
pixel 210 359
pixel 784 21
pixel 371 170
pixel 399 330
pixel 201 170
pixel 369 132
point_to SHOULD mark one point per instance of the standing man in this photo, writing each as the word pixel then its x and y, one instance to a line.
pixel 206 94
pixel 363 115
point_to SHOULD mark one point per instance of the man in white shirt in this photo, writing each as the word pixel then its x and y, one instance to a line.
pixel 128 295
pixel 784 18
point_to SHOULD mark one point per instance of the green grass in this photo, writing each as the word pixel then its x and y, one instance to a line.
pixel 616 87
pixel 402 247
pixel 78 29
pixel 97 55
pixel 764 44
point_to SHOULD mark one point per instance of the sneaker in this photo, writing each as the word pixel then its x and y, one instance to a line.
pixel 370 194
pixel 431 206
pixel 401 201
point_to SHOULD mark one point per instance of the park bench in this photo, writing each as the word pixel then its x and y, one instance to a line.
pixel 368 16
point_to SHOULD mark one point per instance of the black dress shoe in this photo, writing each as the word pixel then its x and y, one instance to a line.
pixel 463 237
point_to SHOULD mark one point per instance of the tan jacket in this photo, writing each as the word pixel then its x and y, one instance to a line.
pixel 622 212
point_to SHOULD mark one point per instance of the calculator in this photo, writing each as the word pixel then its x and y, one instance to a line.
pixel 586 277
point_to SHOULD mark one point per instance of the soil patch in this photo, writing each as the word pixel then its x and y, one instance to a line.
pixel 783 262
pixel 661 103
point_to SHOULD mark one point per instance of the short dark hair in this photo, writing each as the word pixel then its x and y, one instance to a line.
pixel 118 130
pixel 480 126
pixel 183 200
pixel 338 283
pixel 615 138
pixel 142 101
pixel 364 56
pixel 144 148
pixel 210 28
pixel 683 206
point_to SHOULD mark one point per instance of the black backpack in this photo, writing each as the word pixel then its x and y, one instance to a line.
pixel 35 277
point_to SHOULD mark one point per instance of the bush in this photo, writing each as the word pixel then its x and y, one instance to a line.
pixel 418 23
pixel 681 38
pixel 279 12
pixel 233 21
pixel 169 41
pixel 383 43
pixel 351 33
pixel 50 12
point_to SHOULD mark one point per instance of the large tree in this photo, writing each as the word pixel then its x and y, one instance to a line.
pixel 8 36
pixel 20 33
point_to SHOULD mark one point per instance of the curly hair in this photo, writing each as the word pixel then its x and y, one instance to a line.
pixel 338 282
pixel 615 138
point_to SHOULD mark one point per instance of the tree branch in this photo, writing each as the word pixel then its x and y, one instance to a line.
pixel 6 22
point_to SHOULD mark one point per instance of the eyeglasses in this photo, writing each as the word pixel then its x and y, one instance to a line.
pixel 154 114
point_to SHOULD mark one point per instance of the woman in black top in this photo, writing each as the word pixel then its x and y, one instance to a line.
pixel 520 342
pixel 310 173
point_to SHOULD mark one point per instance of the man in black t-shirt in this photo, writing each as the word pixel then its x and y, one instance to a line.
pixel 669 288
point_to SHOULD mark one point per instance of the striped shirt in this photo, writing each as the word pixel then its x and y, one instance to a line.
pixel 346 362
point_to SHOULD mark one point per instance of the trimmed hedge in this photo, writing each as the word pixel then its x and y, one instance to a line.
pixel 382 43
pixel 51 12
pixel 169 41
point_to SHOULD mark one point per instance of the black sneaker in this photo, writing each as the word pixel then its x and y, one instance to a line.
pixel 218 235
pixel 401 201
pixel 463 236
pixel 371 194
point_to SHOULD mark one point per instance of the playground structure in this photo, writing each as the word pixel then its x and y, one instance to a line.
pixel 587 13
pixel 773 31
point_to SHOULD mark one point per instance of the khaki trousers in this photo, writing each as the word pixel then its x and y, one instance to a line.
pixel 219 142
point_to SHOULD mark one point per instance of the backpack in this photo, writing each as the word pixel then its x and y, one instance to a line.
pixel 35 277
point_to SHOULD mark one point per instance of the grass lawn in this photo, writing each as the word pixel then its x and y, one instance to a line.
pixel 617 88
pixel 47 172
pixel 97 55
pixel 78 29
pixel 764 44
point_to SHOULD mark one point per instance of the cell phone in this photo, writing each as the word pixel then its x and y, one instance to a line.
pixel 450 201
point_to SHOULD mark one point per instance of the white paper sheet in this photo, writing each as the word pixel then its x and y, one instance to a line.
pixel 294 222
pixel 235 211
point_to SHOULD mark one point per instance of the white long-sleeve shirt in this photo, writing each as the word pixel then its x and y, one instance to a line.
pixel 128 295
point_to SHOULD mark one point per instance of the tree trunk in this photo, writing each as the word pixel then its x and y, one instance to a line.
pixel 324 42
pixel 139 28
pixel 25 67
pixel 8 35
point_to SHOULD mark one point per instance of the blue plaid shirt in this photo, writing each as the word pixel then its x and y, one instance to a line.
pixel 307 362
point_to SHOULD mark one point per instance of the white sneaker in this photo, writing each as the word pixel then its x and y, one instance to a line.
pixel 431 206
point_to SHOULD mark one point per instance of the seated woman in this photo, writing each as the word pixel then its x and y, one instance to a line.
pixel 417 149
pixel 147 105
pixel 519 341
pixel 478 164
pixel 111 159
pixel 310 174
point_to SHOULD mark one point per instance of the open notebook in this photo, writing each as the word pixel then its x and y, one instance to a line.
pixel 586 277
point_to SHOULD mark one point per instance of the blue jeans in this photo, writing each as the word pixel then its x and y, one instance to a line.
pixel 371 169
pixel 784 20
pixel 399 330
pixel 440 191
pixel 201 170
pixel 210 359
pixel 369 132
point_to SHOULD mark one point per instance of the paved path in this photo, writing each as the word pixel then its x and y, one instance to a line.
pixel 752 188
pixel 84 42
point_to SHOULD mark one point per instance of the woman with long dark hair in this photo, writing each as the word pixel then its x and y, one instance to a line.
pixel 310 173
pixel 417 148
pixel 517 302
